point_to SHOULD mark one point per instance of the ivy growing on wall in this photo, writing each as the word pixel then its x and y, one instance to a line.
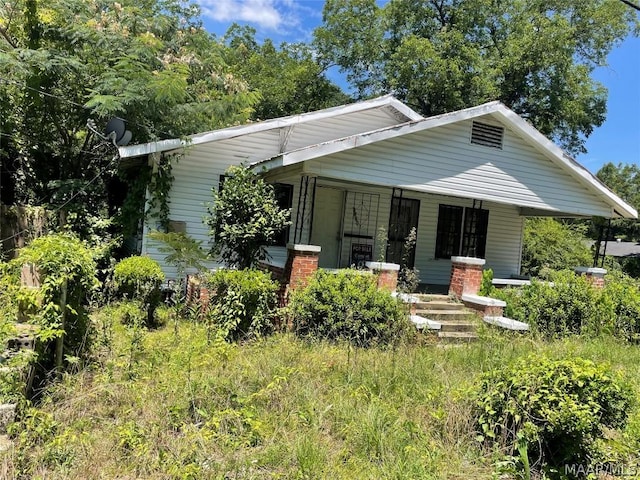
pixel 159 188
pixel 157 181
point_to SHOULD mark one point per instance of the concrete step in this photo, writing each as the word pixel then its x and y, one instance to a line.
pixel 439 305
pixel 457 337
pixel 458 327
pixel 461 314
pixel 428 297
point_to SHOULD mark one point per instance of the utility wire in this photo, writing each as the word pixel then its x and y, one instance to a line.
pixel 631 4
pixel 71 102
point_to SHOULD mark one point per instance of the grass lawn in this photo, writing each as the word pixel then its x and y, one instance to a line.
pixel 169 404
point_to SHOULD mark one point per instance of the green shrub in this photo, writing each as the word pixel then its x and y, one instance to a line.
pixel 486 287
pixel 622 293
pixel 243 303
pixel 61 259
pixel 244 218
pixel 550 413
pixel 140 278
pixel 571 305
pixel 348 305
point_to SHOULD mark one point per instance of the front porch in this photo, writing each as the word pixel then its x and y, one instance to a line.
pixel 355 223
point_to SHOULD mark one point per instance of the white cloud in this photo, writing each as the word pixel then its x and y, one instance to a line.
pixel 268 14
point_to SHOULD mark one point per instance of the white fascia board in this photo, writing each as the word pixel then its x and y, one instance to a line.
pixel 412 115
pixel 268 165
pixel 232 132
pixel 558 156
pixel 151 147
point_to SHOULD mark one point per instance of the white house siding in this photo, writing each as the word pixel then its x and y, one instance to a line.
pixel 196 173
pixel 443 161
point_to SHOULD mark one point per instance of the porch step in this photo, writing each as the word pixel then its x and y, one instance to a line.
pixel 453 322
pixel 457 326
pixel 457 337
pixel 432 297
pixel 459 314
pixel 438 305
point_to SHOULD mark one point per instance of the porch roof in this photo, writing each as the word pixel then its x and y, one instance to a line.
pixel 495 110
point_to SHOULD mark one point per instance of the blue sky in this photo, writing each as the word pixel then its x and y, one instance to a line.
pixel 617 140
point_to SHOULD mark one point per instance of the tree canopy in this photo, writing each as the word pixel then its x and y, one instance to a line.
pixel 536 56
pixel 288 78
pixel 624 180
pixel 63 62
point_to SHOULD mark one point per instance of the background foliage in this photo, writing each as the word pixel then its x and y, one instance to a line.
pixel 440 56
pixel 550 244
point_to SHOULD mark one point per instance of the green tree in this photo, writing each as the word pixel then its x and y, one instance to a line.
pixel 288 78
pixel 64 63
pixel 552 245
pixel 442 55
pixel 244 218
pixel 624 180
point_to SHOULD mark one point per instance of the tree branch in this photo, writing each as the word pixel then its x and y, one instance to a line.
pixel 6 36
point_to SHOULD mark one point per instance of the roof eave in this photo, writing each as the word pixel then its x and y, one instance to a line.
pixel 618 206
pixel 236 131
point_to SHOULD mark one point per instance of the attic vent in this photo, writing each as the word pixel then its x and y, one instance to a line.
pixel 487 135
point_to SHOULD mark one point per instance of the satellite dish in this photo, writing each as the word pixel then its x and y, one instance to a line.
pixel 117 132
pixel 126 138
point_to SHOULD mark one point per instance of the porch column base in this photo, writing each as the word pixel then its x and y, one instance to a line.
pixel 593 274
pixel 466 276
pixel 387 274
pixel 302 263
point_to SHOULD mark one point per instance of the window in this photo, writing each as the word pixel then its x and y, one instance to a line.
pixel 284 197
pixel 461 231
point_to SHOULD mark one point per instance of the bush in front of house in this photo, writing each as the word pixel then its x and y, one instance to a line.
pixel 66 268
pixel 347 305
pixel 622 294
pixel 550 413
pixel 242 303
pixel 571 305
pixel 140 278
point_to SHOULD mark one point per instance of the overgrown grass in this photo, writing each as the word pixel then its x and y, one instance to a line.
pixel 278 408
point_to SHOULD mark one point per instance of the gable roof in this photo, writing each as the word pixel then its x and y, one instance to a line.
pixel 498 111
pixel 389 104
pixel 399 120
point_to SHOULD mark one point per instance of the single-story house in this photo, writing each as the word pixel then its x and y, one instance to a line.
pixel 466 180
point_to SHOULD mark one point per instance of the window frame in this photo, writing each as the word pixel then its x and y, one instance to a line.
pixel 282 238
pixel 461 231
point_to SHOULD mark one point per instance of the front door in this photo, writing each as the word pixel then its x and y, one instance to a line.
pixel 327 218
pixel 403 217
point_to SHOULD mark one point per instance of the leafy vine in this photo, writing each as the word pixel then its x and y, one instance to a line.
pixel 159 188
